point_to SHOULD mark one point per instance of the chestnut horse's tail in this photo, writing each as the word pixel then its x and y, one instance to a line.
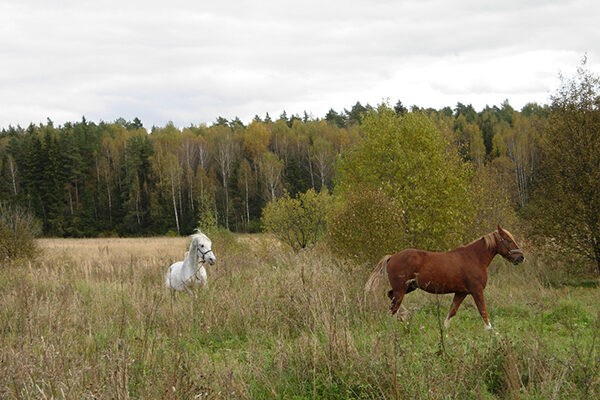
pixel 379 273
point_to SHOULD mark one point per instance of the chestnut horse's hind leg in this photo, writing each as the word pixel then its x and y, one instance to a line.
pixel 480 302
pixel 404 313
pixel 396 297
pixel 458 299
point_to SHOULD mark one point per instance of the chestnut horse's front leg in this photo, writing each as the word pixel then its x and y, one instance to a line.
pixel 480 302
pixel 458 299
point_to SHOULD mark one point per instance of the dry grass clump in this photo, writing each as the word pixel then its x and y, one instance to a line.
pixel 91 319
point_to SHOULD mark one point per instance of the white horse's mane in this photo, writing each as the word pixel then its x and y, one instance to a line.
pixel 198 235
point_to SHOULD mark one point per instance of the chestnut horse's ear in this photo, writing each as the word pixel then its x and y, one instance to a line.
pixel 499 228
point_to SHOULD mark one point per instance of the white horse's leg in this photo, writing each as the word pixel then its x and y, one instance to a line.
pixel 188 290
pixel 172 298
pixel 202 278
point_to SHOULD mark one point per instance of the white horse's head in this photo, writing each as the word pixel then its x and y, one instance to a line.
pixel 204 248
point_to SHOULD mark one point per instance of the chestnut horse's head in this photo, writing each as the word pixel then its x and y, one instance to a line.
pixel 507 247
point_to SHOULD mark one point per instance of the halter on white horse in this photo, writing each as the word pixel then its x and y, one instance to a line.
pixel 184 275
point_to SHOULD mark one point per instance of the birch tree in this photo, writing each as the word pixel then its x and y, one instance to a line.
pixel 567 199
pixel 245 181
pixel 271 168
pixel 224 157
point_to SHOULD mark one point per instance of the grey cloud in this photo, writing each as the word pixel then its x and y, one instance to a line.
pixel 190 62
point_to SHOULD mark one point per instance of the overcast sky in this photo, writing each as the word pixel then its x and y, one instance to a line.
pixel 191 61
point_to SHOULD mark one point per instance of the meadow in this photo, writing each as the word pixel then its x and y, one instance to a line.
pixel 90 319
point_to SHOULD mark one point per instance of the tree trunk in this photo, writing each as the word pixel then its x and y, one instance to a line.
pixel 226 211
pixel 108 195
pixel 247 205
pixel 597 255
pixel 13 175
pixel 137 208
pixel 136 196
pixel 310 170
pixel 70 201
pixel 174 203
pixel 179 192
pixel 191 188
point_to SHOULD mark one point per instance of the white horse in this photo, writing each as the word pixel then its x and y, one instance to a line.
pixel 184 275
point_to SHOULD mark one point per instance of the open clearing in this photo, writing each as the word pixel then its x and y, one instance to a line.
pixel 91 319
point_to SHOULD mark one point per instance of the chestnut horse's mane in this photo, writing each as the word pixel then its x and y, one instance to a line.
pixel 490 240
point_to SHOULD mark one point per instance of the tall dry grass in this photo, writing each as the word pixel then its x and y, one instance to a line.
pixel 91 320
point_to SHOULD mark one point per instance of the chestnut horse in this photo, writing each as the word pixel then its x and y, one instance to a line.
pixel 461 271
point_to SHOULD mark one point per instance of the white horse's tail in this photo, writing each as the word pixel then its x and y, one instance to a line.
pixel 168 279
pixel 379 273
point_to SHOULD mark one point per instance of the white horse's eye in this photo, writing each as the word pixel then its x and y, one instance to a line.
pixel 201 245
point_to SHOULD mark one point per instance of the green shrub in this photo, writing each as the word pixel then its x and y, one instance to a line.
pixel 299 221
pixel 18 230
pixel 207 221
pixel 365 226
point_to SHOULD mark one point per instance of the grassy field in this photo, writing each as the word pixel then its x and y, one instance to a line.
pixel 91 320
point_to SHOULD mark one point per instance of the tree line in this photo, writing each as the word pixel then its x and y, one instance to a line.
pixel 89 179
pixel 86 179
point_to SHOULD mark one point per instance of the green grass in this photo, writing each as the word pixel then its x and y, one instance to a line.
pixel 91 319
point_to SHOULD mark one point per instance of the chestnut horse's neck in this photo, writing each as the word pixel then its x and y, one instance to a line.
pixel 483 249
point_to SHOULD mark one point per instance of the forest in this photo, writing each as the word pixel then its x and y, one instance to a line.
pixel 88 179
pixel 85 179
